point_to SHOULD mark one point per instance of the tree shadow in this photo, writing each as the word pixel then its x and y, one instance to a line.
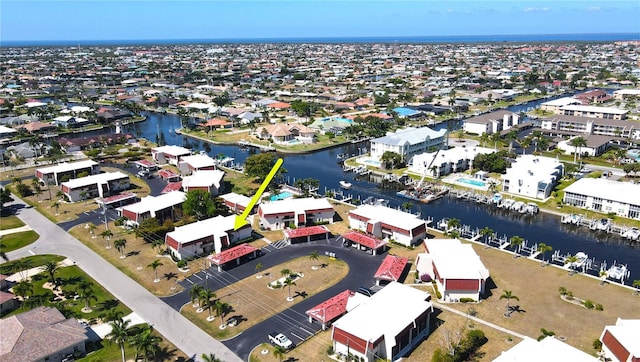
pixel 291 359
pixel 302 294
pixel 107 304
pixel 238 318
pixel 170 275
pixel 516 308
pixel 132 253
pixel 324 265
pixel 72 280
pixel 166 354
pixel 337 217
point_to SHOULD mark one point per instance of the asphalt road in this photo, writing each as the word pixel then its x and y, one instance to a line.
pixel 166 320
pixel 293 321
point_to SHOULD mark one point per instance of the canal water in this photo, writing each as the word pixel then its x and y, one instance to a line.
pixel 324 166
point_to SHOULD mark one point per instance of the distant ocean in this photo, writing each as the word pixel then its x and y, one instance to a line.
pixel 516 38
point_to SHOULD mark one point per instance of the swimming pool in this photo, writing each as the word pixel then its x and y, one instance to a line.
pixel 372 162
pixel 472 182
pixel 281 196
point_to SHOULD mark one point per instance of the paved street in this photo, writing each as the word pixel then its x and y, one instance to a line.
pixel 166 320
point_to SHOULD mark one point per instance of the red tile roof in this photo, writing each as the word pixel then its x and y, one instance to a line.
pixel 234 253
pixel 331 308
pixel 172 186
pixel 362 239
pixel 300 232
pixel 215 122
pixel 145 162
pixel 391 268
pixel 279 105
pixel 165 174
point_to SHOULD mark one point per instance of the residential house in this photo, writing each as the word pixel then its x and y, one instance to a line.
pixel 206 236
pixel 98 185
pixel 200 162
pixel 283 133
pixel 373 331
pixel 620 341
pixel 444 162
pixel 276 215
pixel 573 125
pixel 408 142
pixel 54 175
pixel 605 196
pixel 555 105
pixel 532 176
pixel 235 202
pixel 169 154
pixel 455 267
pixel 595 145
pixel 206 180
pixel 387 223
pixel 490 123
pixel 41 334
pixel 592 112
pixel 161 207
pixel 622 94
pixel 594 96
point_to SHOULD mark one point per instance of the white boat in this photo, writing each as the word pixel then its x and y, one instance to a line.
pixel 517 205
pixel 580 262
pixel 632 233
pixel 497 198
pixel 532 208
pixel 507 203
pixel 571 219
pixel 617 272
pixel 603 224
pixel 344 184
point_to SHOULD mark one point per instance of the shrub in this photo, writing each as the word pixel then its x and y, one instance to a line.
pixel 182 264
pixel 588 304
pixel 119 221
pixel 330 350
pixel 467 300
pixel 599 307
pixel 562 290
pixel 597 345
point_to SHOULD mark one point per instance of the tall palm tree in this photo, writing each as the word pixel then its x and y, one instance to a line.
pixel 577 143
pixel 56 205
pixel 486 232
pixel 506 294
pixel 154 265
pixel 194 293
pixel 516 241
pixel 157 245
pixel 23 289
pixel 120 244
pixel 206 295
pixel 51 267
pixel 221 309
pixel 285 272
pixel 87 295
pixel 145 343
pixel 525 143
pixel 511 136
pixel 314 256
pixel 119 334
pixel 278 352
pixel 22 266
pixel 92 228
pixel 106 235
pixel 210 358
pixel 543 248
pixel 289 282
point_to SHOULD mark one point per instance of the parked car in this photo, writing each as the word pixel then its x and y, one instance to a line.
pixel 280 339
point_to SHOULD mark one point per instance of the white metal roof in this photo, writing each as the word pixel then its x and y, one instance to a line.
pixel 198 161
pixel 375 317
pixel 594 109
pixel 203 178
pixel 100 178
pixel 173 150
pixel 154 203
pixel 455 260
pixel 564 101
pixel 400 219
pixel 63 167
pixel 410 135
pixel 294 205
pixel 627 332
pixel 548 349
pixel 236 199
pixel 203 228
pixel 623 192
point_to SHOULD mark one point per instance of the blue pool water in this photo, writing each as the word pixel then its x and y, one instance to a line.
pixel 281 196
pixel 373 162
pixel 472 182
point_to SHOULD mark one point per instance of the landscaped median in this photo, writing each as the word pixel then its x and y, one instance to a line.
pixel 251 300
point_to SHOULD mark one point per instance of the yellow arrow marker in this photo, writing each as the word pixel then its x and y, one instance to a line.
pixel 241 220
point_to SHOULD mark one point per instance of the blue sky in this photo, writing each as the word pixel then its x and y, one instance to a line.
pixel 25 20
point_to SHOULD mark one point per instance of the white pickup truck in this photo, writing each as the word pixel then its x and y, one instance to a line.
pixel 280 339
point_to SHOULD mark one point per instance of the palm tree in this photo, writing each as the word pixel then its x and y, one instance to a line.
pixel 194 293
pixel 486 232
pixel 119 334
pixel 154 265
pixel 314 256
pixel 516 241
pixel 83 196
pixel 453 223
pixel 120 244
pixel 56 205
pixel 221 309
pixel 145 343
pixel 577 143
pixel 210 358
pixel 205 297
pixel 545 334
pixel 157 245
pixel 285 272
pixel 543 248
pixel 22 266
pixel 106 235
pixel 92 228
pixel 506 294
pixel 511 136
pixel 87 295
pixel 23 289
pixel 525 143
pixel 484 137
pixel 278 352
pixel 259 267
pixel 289 282
pixel 51 267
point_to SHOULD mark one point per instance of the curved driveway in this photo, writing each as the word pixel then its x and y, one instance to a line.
pixel 292 321
pixel 179 330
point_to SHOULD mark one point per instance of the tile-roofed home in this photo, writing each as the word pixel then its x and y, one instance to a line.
pixel 36 127
pixel 41 334
pixel 283 133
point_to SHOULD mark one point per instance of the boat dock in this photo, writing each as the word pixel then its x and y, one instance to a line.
pixel 264 148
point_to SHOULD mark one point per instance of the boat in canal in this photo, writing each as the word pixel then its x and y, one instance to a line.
pixel 345 185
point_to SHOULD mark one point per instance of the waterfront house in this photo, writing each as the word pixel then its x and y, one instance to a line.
pixel 408 142
pixel 455 267
pixel 284 133
pixel 594 96
pixel 276 215
pixel 605 196
pixel 592 112
pixel 620 341
pixel 205 236
pixel 532 176
pixel 54 175
pixel 555 105
pixel 200 162
pixel 372 330
pixel 36 127
pixel 161 207
pixel 389 224
pixel 444 162
pixel 98 185
pixel 622 94
pixel 169 154
pixel 235 202
pixel 489 123
pixel 560 125
pixel 41 334
pixel 595 145
pixel 210 181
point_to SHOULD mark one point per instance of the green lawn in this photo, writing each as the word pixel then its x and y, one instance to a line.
pixel 33 261
pixel 17 240
pixel 10 222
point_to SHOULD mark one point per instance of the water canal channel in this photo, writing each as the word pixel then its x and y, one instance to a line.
pixel 324 167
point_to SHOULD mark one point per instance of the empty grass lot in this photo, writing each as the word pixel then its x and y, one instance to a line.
pixel 10 222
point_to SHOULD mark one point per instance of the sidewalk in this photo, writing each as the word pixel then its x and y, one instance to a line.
pixel 15 230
